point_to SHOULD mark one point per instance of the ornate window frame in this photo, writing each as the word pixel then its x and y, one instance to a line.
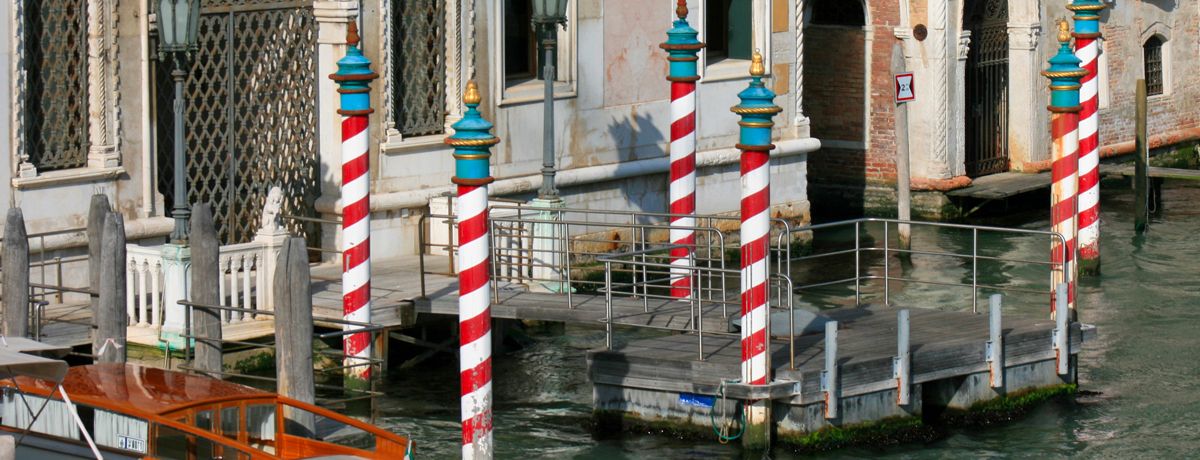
pixel 460 66
pixel 733 69
pixel 103 154
pixel 532 91
pixel 1163 32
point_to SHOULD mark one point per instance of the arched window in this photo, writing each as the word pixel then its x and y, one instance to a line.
pixel 838 13
pixel 1153 54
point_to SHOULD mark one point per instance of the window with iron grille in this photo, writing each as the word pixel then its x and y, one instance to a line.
pixel 56 70
pixel 419 47
pixel 1154 65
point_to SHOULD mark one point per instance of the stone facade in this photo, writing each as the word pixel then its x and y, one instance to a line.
pixel 858 171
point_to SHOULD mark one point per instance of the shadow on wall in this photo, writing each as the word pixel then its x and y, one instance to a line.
pixel 638 137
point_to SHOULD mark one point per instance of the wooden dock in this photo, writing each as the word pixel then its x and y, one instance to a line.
pixel 1127 170
pixel 664 379
pixel 1003 185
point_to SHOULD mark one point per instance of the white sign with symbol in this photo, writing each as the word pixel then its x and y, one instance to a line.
pixel 904 88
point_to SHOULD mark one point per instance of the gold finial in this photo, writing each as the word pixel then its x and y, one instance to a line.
pixel 472 94
pixel 757 68
pixel 681 10
pixel 352 34
pixel 1064 31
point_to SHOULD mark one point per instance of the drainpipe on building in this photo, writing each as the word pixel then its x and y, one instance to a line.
pixel 1087 49
pixel 757 108
pixel 682 53
pixel 1064 74
pixel 472 142
pixel 354 78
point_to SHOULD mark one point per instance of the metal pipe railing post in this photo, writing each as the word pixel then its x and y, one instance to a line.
pixel 608 310
pixel 791 325
pixel 886 268
pixel 903 362
pixel 995 346
pixel 699 321
pixel 829 378
pixel 857 264
pixel 421 249
pixel 1061 354
pixel 566 244
pixel 974 270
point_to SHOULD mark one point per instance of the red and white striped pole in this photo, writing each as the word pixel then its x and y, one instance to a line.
pixel 756 111
pixel 1087 49
pixel 682 48
pixel 1064 74
pixel 354 77
pixel 472 141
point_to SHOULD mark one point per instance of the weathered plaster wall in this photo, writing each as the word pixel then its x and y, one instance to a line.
pixel 6 66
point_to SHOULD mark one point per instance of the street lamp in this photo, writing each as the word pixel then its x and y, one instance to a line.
pixel 178 28
pixel 549 14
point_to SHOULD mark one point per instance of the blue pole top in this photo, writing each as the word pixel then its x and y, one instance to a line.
pixel 1087 17
pixel 1064 74
pixel 757 109
pixel 472 142
pixel 354 77
pixel 682 47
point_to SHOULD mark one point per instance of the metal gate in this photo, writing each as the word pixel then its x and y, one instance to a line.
pixel 250 114
pixel 987 87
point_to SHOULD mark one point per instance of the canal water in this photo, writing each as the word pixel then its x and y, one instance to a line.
pixel 1141 378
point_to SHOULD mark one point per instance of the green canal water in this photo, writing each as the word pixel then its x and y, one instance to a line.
pixel 1140 379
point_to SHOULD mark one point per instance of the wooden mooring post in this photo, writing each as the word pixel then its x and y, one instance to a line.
pixel 109 318
pixel 16 275
pixel 206 285
pixel 1141 154
pixel 97 212
pixel 294 327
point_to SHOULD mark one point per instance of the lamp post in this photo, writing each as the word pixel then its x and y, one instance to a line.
pixel 548 249
pixel 548 14
pixel 178 28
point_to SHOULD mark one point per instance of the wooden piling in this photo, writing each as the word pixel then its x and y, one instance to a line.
pixel 110 318
pixel 1141 154
pixel 206 279
pixel 16 275
pixel 97 212
pixel 903 180
pixel 294 327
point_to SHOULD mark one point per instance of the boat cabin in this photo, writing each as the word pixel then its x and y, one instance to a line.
pixel 131 411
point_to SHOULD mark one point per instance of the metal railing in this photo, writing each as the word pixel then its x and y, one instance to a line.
pixel 656 261
pixel 888 250
pixel 559 248
pixel 46 265
pixel 374 362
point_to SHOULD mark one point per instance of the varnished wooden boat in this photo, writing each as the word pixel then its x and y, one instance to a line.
pixel 128 411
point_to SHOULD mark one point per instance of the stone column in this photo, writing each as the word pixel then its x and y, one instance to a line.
pixel 333 20
pixel 177 263
pixel 102 153
pixel 1025 122
pixel 958 157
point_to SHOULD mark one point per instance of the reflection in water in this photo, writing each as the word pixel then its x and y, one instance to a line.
pixel 1143 367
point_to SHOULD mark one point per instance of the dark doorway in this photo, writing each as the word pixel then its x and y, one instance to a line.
pixel 987 87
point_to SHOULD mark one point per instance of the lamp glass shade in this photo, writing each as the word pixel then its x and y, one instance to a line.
pixel 178 22
pixel 550 11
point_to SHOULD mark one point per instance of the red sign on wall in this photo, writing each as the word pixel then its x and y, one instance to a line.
pixel 905 90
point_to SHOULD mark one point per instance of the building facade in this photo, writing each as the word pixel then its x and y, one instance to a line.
pixel 980 106
pixel 92 108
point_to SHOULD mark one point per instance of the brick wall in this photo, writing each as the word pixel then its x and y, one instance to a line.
pixel 833 81
pixel 834 99
pixel 1176 110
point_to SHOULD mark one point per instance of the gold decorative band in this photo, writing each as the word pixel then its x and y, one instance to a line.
pixel 363 77
pixel 1064 87
pixel 1065 74
pixel 476 156
pixel 755 110
pixel 1087 35
pixel 756 124
pixel 355 113
pixel 472 142
pixel 1086 7
pixel 473 182
pixel 684 79
pixel 755 148
pixel 683 59
pixel 672 47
